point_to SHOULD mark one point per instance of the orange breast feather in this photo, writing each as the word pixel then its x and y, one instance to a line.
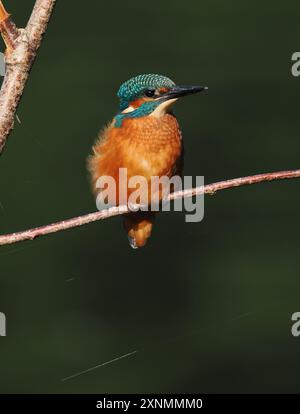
pixel 146 146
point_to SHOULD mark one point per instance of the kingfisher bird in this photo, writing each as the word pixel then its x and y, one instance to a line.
pixel 145 138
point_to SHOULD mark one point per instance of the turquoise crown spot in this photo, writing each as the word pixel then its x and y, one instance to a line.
pixel 135 87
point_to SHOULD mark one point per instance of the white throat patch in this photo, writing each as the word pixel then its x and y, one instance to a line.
pixel 163 108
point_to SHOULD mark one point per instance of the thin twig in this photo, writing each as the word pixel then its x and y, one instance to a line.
pixel 22 46
pixel 8 29
pixel 115 211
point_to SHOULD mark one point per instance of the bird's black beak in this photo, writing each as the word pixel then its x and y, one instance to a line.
pixel 181 90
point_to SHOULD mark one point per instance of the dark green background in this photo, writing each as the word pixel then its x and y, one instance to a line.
pixel 207 306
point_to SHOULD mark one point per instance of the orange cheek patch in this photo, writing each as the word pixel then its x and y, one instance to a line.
pixel 138 102
pixel 163 90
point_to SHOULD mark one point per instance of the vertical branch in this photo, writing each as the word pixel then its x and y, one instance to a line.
pixel 22 46
pixel 38 22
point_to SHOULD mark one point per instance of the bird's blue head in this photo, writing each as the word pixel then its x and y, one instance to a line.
pixel 142 86
pixel 141 95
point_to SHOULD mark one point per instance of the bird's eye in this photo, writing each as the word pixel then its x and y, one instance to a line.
pixel 150 93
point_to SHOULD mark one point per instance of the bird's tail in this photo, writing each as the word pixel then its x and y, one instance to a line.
pixel 139 227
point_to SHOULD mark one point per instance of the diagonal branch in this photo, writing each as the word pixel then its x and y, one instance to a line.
pixel 22 46
pixel 116 211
